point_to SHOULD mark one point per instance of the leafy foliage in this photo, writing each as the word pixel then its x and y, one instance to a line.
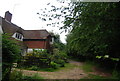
pixel 57 42
pixel 55 15
pixel 95 30
pixel 95 33
pixel 38 58
pixel 18 76
pixel 10 54
pixel 41 59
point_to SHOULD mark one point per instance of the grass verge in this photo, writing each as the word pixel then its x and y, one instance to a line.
pixel 35 76
pixel 18 76
pixel 35 68
pixel 88 66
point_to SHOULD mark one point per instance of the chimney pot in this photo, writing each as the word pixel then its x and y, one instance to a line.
pixel 8 16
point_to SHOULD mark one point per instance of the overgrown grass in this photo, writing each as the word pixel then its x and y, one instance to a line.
pixel 67 66
pixel 35 76
pixel 115 74
pixel 92 76
pixel 18 76
pixel 88 66
pixel 35 68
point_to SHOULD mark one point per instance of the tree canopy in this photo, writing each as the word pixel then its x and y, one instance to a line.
pixel 95 29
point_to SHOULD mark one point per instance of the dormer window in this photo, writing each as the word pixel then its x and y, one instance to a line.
pixel 18 36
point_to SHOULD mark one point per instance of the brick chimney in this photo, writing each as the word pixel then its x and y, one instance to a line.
pixel 8 16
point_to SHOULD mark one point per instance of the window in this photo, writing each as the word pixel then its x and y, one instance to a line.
pixel 51 40
pixel 18 36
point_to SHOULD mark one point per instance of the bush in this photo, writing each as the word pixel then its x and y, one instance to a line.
pixel 60 58
pixel 54 65
pixel 38 58
pixel 33 78
pixel 38 53
pixel 16 75
pixel 10 54
pixel 35 68
pixel 41 59
pixel 61 62
pixel 116 74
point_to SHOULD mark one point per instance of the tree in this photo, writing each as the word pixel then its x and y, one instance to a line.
pixel 57 42
pixel 55 14
pixel 10 54
pixel 95 29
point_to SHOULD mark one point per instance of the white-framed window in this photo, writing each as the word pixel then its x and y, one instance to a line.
pixel 18 36
pixel 52 40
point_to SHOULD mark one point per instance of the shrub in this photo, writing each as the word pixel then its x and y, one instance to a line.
pixel 38 58
pixel 116 74
pixel 35 68
pixel 54 65
pixel 16 75
pixel 10 54
pixel 58 57
pixel 38 53
pixel 33 78
pixel 61 62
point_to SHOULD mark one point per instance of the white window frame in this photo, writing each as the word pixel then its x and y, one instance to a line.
pixel 18 36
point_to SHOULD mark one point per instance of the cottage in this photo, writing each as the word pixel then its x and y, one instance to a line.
pixel 28 39
pixel 37 39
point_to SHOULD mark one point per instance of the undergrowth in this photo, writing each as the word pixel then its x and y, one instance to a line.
pixel 18 76
pixel 36 68
pixel 88 67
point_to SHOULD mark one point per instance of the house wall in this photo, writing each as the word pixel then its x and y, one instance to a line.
pixel 36 44
pixel 48 43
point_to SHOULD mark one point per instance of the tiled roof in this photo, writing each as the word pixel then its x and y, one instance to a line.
pixel 35 34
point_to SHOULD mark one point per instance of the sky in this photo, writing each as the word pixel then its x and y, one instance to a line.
pixel 24 14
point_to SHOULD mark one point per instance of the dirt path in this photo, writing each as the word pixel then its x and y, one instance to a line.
pixel 65 73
